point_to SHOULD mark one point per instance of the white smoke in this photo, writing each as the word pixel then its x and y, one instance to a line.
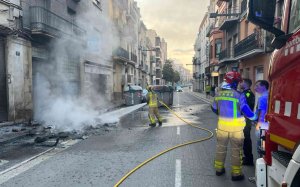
pixel 57 100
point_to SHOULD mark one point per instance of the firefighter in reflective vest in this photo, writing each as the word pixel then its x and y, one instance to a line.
pixel 152 101
pixel 230 106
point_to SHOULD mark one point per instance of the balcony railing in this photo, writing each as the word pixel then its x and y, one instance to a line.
pixel 133 57
pixel 194 60
pixel 250 43
pixel 243 6
pixel 207 71
pixel 226 54
pixel 152 59
pixel 121 53
pixel 46 22
pixel 146 68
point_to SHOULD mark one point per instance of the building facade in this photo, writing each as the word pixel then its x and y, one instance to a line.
pixel 15 64
pixel 72 49
pixel 236 44
pixel 201 57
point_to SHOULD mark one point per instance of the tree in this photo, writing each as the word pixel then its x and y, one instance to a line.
pixel 176 77
pixel 168 72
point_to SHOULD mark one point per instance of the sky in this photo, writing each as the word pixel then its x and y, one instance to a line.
pixel 177 21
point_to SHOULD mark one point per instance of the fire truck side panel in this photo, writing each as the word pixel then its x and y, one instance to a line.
pixel 284 111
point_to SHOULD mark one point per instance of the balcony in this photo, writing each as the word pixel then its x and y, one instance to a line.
pixel 207 71
pixel 130 15
pixel 194 60
pixel 230 18
pixel 121 54
pixel 151 73
pixel 244 6
pixel 226 55
pixel 133 57
pixel 158 73
pixel 208 30
pixel 146 68
pixel 152 59
pixel 248 47
pixel 157 42
pixel 196 75
pixel 158 66
pixel 45 22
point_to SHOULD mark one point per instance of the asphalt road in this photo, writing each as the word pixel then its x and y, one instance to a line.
pixel 103 159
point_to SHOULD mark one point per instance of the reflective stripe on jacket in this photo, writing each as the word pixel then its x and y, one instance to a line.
pixel 230 105
pixel 152 99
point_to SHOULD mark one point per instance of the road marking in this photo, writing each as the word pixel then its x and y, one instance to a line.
pixel 33 161
pixel 178 173
pixel 178 130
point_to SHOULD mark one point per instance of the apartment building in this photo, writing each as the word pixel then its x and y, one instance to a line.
pixel 71 49
pixel 125 16
pixel 160 48
pixel 236 44
pixel 15 64
pixel 185 74
pixel 200 59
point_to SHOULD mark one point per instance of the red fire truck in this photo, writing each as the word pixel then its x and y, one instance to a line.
pixel 280 165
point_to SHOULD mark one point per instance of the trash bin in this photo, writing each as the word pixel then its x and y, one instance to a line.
pixel 158 90
pixel 171 92
pixel 163 93
pixel 166 95
pixel 133 95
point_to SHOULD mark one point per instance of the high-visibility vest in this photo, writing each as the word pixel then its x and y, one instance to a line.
pixel 230 116
pixel 152 99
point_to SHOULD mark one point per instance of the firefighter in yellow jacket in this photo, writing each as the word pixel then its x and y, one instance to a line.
pixel 152 101
pixel 230 106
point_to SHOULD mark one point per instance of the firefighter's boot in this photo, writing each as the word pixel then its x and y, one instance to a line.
pixel 221 172
pixel 152 124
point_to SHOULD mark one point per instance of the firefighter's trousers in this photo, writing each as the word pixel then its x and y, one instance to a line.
pixel 236 141
pixel 153 112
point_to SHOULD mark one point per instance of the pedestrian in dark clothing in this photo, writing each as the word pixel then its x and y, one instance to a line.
pixel 247 147
pixel 212 91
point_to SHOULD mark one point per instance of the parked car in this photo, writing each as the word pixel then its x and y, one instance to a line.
pixel 179 89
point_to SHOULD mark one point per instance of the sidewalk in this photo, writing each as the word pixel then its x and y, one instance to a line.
pixel 203 96
pixel 11 131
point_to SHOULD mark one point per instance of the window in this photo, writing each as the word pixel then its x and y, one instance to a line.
pixel 211 52
pixel 246 73
pixel 294 21
pixel 218 47
pixel 259 73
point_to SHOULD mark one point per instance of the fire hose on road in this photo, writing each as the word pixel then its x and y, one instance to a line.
pixel 211 134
